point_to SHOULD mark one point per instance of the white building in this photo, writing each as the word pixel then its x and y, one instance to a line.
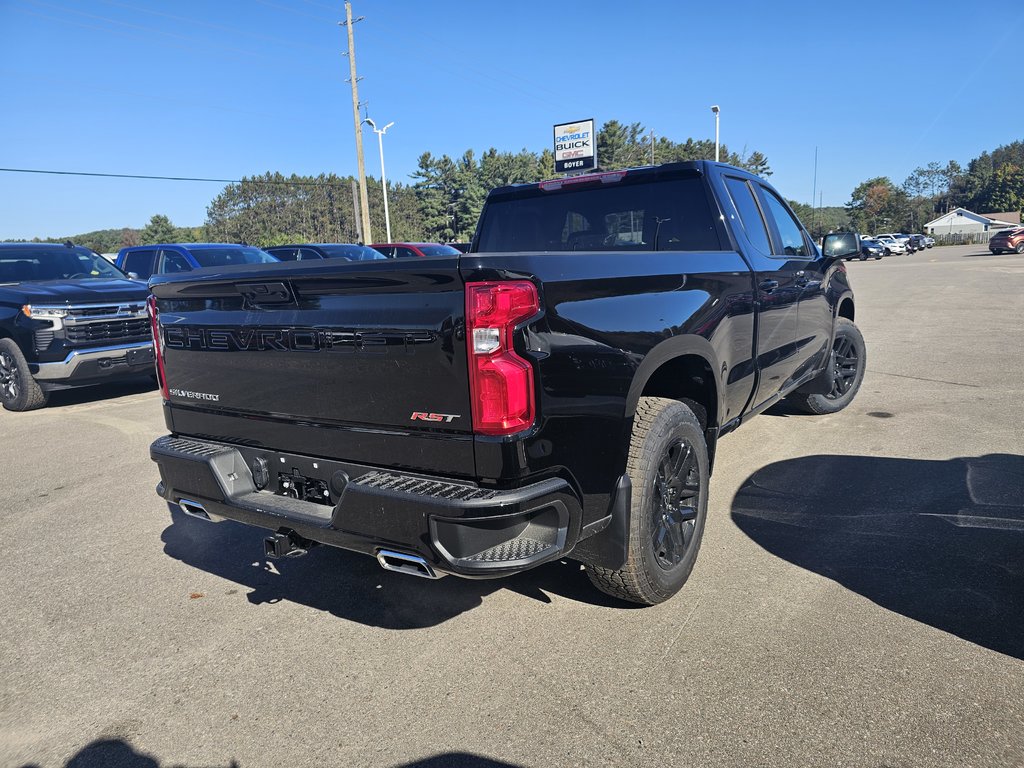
pixel 960 221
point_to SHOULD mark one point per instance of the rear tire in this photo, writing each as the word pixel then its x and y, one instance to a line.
pixel 848 363
pixel 18 390
pixel 1019 248
pixel 668 467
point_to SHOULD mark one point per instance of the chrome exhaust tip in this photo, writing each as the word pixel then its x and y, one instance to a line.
pixel 411 565
pixel 195 509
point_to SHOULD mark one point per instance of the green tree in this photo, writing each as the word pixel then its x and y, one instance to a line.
pixel 1006 190
pixel 878 204
pixel 159 230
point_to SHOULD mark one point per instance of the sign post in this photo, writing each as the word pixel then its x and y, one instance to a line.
pixel 575 147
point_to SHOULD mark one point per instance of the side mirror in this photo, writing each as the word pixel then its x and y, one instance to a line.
pixel 840 245
pixel 133 275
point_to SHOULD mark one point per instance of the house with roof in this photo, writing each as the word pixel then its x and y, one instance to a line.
pixel 960 221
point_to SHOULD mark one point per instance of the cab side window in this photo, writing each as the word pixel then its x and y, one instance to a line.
pixel 140 262
pixel 793 241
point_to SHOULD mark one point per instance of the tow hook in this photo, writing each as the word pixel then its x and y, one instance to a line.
pixel 286 544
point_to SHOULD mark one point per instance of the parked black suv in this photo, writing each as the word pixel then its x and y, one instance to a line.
pixel 68 317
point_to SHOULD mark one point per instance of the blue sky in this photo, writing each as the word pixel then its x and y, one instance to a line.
pixel 238 87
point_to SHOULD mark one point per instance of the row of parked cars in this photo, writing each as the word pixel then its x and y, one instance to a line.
pixel 144 261
pixel 892 244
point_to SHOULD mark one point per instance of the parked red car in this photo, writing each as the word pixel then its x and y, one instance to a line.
pixel 405 250
pixel 1007 240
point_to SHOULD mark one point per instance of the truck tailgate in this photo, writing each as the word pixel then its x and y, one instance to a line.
pixel 357 361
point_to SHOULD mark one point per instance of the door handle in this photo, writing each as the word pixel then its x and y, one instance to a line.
pixel 768 285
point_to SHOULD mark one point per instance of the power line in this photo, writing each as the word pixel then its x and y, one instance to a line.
pixel 175 178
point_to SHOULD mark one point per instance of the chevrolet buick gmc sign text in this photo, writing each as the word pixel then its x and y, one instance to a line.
pixel 575 149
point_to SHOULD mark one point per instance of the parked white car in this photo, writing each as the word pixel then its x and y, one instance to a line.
pixel 893 247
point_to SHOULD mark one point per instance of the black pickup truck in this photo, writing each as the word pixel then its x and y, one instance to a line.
pixel 557 391
pixel 68 318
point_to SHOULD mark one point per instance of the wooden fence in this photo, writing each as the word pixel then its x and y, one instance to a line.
pixel 963 238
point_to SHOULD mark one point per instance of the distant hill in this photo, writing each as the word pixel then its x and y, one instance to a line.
pixel 113 240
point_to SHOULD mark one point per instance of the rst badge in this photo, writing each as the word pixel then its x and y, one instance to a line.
pixel 447 418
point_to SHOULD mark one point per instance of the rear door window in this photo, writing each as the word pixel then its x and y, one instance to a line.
pixel 749 212
pixel 140 262
pixel 172 263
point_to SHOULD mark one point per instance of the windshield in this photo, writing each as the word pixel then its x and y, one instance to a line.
pixel 352 252
pixel 229 256
pixel 438 250
pixel 27 265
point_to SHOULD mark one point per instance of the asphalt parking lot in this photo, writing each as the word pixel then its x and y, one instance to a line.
pixel 859 599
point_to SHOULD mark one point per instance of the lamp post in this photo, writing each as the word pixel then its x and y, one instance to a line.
pixel 714 108
pixel 383 178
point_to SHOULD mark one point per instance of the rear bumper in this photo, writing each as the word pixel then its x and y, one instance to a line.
pixel 455 526
pixel 98 363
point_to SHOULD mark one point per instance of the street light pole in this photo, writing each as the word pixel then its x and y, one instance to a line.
pixel 714 108
pixel 383 178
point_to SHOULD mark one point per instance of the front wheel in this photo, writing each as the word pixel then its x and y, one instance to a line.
pixel 1019 248
pixel 668 467
pixel 848 361
pixel 18 390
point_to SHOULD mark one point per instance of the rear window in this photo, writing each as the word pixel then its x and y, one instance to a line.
pixel 228 257
pixel 668 215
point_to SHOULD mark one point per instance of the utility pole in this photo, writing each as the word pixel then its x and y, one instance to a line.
pixel 364 205
pixel 652 146
pixel 355 211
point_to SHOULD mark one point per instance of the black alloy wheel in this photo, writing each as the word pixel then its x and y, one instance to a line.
pixel 10 378
pixel 668 470
pixel 18 390
pixel 676 495
pixel 845 366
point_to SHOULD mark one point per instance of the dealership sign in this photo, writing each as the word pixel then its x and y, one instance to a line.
pixel 575 148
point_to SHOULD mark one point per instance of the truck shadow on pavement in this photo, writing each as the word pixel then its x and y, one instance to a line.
pixel 136 385
pixel 353 586
pixel 940 542
pixel 118 753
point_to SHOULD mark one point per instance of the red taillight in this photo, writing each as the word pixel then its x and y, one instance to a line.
pixel 500 381
pixel 158 347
